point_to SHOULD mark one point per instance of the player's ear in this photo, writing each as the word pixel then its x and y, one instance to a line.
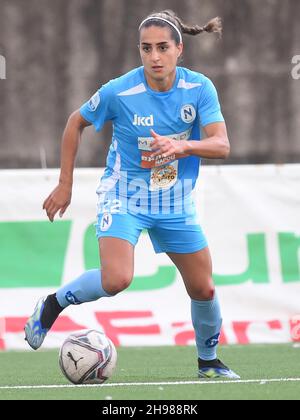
pixel 180 50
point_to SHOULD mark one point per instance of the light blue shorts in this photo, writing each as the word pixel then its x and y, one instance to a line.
pixel 173 233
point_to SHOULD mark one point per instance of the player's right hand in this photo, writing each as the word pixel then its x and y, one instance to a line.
pixel 58 200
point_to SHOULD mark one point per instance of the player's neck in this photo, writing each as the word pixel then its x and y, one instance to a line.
pixel 162 85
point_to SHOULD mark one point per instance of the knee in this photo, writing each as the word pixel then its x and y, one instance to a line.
pixel 203 293
pixel 114 282
pixel 208 293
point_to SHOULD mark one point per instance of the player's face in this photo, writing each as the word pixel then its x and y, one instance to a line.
pixel 159 53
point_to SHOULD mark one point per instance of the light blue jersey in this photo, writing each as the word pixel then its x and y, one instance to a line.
pixel 134 109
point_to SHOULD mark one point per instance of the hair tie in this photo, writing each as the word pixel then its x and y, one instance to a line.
pixel 164 20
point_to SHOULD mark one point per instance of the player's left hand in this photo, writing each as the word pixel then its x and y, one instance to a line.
pixel 166 147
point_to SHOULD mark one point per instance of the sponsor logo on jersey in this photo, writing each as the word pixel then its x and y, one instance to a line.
pixel 94 102
pixel 106 222
pixel 188 114
pixel 143 121
pixel 164 177
pixel 144 143
pixel 149 162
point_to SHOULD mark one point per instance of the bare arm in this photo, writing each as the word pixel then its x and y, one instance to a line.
pixel 215 146
pixel 60 198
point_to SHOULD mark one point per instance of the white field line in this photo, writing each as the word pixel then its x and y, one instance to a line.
pixel 124 384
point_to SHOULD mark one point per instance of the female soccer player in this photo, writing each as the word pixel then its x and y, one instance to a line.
pixel 152 166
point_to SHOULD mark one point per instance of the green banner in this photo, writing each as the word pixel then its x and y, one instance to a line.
pixel 33 255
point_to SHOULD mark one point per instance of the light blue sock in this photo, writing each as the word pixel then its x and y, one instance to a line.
pixel 207 322
pixel 86 288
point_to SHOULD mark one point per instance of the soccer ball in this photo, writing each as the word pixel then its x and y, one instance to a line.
pixel 87 357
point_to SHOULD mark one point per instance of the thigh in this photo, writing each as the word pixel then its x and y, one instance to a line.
pixel 116 256
pixel 118 232
pixel 196 272
pixel 117 264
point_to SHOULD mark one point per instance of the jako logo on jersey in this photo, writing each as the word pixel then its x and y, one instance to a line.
pixel 143 121
pixel 106 222
pixel 188 114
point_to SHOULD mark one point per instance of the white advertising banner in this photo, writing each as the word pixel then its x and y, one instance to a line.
pixel 250 215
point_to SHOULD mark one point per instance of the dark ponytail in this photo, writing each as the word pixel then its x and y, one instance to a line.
pixel 213 26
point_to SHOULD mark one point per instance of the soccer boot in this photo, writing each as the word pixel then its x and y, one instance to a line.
pixel 215 369
pixel 34 332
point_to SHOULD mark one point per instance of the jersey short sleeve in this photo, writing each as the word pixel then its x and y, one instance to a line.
pixel 101 107
pixel 209 108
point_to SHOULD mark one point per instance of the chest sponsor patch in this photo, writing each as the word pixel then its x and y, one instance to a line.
pixel 164 177
pixel 144 143
pixel 149 162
